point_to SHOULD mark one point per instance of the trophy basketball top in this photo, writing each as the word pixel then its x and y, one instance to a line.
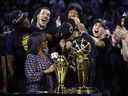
pixel 80 47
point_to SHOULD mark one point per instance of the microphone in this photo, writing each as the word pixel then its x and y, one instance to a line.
pixel 54 54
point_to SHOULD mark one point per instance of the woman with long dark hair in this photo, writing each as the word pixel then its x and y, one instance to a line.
pixel 38 65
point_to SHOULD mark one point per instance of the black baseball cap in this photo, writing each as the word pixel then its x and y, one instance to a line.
pixel 124 14
pixel 17 17
pixel 102 21
pixel 67 28
pixel 75 6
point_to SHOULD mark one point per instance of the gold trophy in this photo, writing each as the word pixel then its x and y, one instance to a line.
pixel 81 49
pixel 61 69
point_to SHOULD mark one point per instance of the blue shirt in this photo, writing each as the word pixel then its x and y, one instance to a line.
pixel 16 44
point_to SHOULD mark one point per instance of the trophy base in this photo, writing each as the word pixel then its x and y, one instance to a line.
pixel 84 90
pixel 61 90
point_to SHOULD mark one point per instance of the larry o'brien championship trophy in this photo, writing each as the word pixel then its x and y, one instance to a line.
pixel 80 50
pixel 61 70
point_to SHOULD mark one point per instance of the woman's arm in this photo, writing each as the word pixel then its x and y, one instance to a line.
pixel 50 69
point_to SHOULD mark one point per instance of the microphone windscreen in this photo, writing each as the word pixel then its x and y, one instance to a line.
pixel 54 55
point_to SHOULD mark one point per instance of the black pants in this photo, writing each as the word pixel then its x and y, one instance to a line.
pixel 17 85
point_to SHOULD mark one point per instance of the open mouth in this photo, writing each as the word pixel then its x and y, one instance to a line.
pixel 96 31
pixel 44 20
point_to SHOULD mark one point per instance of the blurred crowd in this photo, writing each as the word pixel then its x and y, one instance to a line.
pixel 111 10
pixel 34 32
